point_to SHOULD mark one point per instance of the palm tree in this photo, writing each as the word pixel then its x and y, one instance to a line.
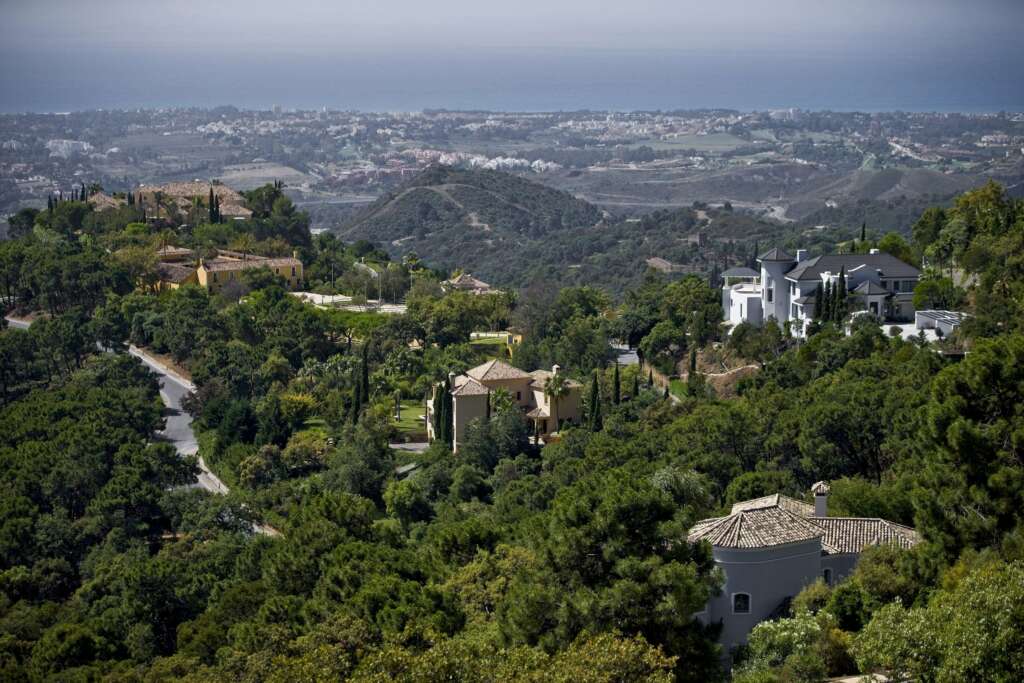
pixel 556 388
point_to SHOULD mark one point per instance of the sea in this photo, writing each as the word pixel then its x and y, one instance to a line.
pixel 512 80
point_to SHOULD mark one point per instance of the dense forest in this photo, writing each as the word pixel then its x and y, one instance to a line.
pixel 511 560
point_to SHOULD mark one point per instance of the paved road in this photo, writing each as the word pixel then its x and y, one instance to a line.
pixel 178 426
pixel 178 423
pixel 625 355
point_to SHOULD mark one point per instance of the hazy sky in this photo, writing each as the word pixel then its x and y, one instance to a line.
pixel 528 54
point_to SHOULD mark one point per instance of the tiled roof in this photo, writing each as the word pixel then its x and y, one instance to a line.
pixel 870 288
pixel 775 254
pixel 741 272
pixel 853 534
pixel 811 269
pixel 173 272
pixel 762 527
pixel 538 412
pixel 797 507
pixel 467 386
pixel 541 377
pixel 778 519
pixel 495 370
pixel 467 281
pixel 169 251
pixel 226 264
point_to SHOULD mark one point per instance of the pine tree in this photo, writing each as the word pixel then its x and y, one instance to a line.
pixel 616 386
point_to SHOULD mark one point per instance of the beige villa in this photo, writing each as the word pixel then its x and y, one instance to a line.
pixel 471 393
pixel 177 267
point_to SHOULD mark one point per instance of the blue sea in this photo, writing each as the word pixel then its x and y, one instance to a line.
pixel 510 80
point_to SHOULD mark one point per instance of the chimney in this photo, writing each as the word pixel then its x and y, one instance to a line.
pixel 873 251
pixel 295 253
pixel 555 368
pixel 820 491
pixel 801 254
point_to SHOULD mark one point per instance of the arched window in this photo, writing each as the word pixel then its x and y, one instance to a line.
pixel 741 603
pixel 827 575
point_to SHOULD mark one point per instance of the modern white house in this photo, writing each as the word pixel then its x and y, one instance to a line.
pixel 786 286
pixel 770 548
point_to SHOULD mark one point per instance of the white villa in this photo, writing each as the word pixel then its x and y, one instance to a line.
pixel 471 393
pixel 785 287
pixel 770 548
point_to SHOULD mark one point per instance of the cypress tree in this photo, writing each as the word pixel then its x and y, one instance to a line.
pixel 488 417
pixel 365 370
pixel 49 203
pixel 616 386
pixel 449 420
pixel 826 309
pixel 864 232
pixel 438 407
pixel 819 295
pixel 211 208
pixel 595 419
pixel 357 403
pixel 636 386
pixel 85 192
pixel 840 307
pixel 666 391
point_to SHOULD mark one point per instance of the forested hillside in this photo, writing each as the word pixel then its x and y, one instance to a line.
pixel 513 560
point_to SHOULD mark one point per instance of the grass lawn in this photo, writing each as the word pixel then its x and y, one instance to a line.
pixel 677 387
pixel 411 426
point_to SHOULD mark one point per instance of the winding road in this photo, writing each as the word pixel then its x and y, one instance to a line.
pixel 178 425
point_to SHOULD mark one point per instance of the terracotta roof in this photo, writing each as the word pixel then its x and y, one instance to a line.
pixel 194 189
pixel 219 264
pixel 467 281
pixel 538 412
pixel 797 507
pixel 541 377
pixel 170 251
pixel 102 201
pixel 755 528
pixel 778 519
pixel 231 209
pixel 467 386
pixel 173 272
pixel 853 534
pixel 495 370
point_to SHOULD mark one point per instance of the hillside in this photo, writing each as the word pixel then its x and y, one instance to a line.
pixel 443 209
pixel 512 232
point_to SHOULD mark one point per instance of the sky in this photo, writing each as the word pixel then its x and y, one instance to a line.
pixel 58 55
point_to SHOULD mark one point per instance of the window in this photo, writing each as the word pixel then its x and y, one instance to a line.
pixel 771 294
pixel 827 575
pixel 519 396
pixel 293 271
pixel 741 603
pixel 795 312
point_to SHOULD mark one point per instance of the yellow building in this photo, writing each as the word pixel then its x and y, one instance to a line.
pixel 176 268
pixel 212 274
